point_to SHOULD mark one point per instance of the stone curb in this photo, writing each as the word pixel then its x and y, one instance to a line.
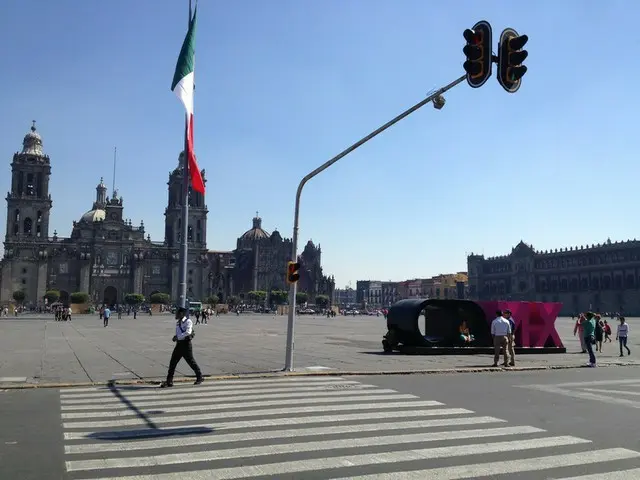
pixel 333 373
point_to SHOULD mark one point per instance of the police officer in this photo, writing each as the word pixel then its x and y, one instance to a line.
pixel 183 349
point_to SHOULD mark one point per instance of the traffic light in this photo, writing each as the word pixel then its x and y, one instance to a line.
pixel 293 272
pixel 478 53
pixel 510 58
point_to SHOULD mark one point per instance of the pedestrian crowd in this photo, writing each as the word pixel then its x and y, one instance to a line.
pixel 594 331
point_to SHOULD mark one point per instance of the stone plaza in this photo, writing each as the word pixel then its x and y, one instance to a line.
pixel 35 350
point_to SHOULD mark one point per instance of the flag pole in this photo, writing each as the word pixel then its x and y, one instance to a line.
pixel 184 241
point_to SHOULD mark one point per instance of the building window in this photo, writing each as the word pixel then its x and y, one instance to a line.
pixel 39 216
pixel 190 233
pixel 24 281
pixel 27 227
pixel 30 190
pixel 38 230
pixel 199 237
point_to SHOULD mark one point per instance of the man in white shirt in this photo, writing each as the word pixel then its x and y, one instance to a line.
pixel 500 330
pixel 183 348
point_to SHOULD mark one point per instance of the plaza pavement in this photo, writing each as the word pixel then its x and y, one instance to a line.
pixel 37 351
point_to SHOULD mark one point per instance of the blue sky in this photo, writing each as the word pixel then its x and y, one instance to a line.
pixel 284 85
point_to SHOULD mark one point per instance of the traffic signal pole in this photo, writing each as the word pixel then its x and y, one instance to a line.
pixel 288 366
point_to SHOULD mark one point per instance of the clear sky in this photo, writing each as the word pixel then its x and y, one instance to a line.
pixel 284 85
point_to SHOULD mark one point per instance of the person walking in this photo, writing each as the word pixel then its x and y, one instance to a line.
pixel 183 349
pixel 622 335
pixel 500 330
pixel 106 315
pixel 588 333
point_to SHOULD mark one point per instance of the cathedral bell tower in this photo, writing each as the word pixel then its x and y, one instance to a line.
pixel 197 235
pixel 29 201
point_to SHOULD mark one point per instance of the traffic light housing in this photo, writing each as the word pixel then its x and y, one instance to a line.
pixel 478 53
pixel 293 272
pixel 510 58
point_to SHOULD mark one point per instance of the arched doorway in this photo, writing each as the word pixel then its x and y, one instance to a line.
pixel 110 296
pixel 64 298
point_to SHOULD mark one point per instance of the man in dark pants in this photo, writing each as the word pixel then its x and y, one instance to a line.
pixel 183 348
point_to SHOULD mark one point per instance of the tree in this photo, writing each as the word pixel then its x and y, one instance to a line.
pixel 79 297
pixel 19 296
pixel 233 301
pixel 52 296
pixel 158 297
pixel 133 298
pixel 279 297
pixel 212 300
pixel 301 297
pixel 322 301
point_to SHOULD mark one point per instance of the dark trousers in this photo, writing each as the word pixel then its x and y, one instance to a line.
pixel 623 343
pixel 589 346
pixel 106 321
pixel 183 349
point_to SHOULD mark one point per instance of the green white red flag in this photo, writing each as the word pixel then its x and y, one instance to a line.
pixel 183 86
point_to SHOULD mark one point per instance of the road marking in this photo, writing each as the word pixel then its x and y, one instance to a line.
pixel 301 466
pixel 276 422
pixel 232 397
pixel 219 383
pixel 202 392
pixel 290 433
pixel 620 475
pixel 319 446
pixel 13 379
pixel 268 412
pixel 278 429
pixel 225 406
pixel 584 395
pixel 460 472
pixel 612 392
pixel 318 368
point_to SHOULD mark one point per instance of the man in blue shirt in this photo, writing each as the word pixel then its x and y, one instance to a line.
pixel 105 315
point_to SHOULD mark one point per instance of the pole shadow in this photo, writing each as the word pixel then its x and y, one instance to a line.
pixel 152 431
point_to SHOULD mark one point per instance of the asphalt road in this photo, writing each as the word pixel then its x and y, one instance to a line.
pixel 503 425
pixel 37 350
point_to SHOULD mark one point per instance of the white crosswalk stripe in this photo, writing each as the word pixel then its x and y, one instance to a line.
pixel 614 392
pixel 301 427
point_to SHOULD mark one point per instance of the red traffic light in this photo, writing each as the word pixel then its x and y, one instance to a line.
pixel 472 37
pixel 477 51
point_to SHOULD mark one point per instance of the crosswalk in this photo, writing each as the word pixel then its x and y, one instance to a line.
pixel 305 428
pixel 622 393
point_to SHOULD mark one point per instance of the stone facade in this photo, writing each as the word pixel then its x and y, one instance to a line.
pixel 108 257
pixel 105 256
pixel 259 264
pixel 603 277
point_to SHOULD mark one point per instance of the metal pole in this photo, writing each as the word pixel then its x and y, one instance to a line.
pixel 184 241
pixel 288 365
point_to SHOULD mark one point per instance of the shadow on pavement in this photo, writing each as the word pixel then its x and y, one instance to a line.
pixel 152 431
pixel 149 433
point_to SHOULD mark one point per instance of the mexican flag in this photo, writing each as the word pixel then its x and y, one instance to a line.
pixel 183 86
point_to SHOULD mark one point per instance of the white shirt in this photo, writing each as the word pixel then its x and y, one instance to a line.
pixel 500 327
pixel 184 328
pixel 623 330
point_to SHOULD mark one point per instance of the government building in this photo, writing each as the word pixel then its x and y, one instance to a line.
pixel 108 257
pixel 603 277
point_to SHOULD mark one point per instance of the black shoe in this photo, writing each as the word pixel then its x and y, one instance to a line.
pixel 198 381
pixel 166 385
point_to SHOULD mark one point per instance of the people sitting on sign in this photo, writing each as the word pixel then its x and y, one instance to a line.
pixel 465 334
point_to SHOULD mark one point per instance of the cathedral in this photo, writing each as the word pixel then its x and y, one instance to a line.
pixel 108 257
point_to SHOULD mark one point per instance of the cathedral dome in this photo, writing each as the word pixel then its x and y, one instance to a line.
pixel 256 233
pixel 32 143
pixel 97 215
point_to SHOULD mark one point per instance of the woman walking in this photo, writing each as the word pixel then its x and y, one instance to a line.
pixel 622 335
